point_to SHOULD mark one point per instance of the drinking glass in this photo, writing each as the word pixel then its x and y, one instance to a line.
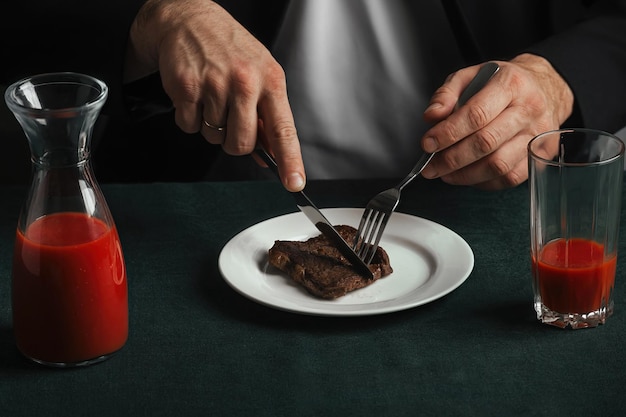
pixel 575 181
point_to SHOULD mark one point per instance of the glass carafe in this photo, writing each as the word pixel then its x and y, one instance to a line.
pixel 69 289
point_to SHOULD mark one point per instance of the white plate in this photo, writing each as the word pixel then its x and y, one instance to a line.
pixel 429 261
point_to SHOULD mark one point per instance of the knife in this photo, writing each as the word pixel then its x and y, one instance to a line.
pixel 305 204
pixel 320 221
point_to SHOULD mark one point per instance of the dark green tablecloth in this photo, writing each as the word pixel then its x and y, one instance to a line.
pixel 199 348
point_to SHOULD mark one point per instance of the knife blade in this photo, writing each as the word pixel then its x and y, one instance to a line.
pixel 320 221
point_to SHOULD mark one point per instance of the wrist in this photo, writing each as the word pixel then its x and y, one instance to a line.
pixel 552 83
pixel 144 37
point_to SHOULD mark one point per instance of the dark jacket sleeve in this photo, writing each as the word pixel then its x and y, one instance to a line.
pixel 68 35
pixel 591 57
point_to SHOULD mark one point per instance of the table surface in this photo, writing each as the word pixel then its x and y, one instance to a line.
pixel 197 347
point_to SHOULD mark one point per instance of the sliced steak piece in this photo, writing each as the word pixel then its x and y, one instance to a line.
pixel 318 265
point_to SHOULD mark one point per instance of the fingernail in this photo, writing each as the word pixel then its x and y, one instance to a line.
pixel 433 106
pixel 295 182
pixel 430 144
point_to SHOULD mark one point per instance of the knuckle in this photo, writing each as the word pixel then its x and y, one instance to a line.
pixel 486 142
pixel 276 76
pixel 274 90
pixel 248 79
pixel 507 175
pixel 283 131
pixel 450 76
pixel 499 167
pixel 477 117
pixel 451 162
pixel 237 147
pixel 442 91
pixel 448 134
pixel 442 94
pixel 533 106
pixel 245 80
pixel 186 88
pixel 516 80
pixel 512 179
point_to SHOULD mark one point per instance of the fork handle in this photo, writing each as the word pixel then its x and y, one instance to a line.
pixel 417 169
pixel 483 76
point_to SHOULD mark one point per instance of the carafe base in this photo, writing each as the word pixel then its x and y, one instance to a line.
pixel 79 364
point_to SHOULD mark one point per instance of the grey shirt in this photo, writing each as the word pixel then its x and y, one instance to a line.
pixel 360 74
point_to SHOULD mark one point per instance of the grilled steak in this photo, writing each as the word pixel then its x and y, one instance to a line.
pixel 318 265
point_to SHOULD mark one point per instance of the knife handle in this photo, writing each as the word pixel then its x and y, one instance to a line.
pixel 267 158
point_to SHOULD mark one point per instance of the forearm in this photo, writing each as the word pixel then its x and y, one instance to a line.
pixel 153 22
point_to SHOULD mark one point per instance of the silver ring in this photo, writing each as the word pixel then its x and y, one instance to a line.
pixel 210 126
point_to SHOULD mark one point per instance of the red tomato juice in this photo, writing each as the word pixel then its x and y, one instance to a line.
pixel 70 297
pixel 573 276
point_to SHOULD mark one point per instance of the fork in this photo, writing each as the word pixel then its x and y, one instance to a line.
pixel 379 209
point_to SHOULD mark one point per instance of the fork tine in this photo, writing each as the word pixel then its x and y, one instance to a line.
pixel 371 231
pixel 364 231
pixel 374 229
pixel 360 236
pixel 369 247
pixel 374 245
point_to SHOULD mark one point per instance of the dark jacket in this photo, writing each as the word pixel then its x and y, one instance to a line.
pixel 584 40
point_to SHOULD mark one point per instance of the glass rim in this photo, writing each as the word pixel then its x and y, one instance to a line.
pixel 66 77
pixel 618 155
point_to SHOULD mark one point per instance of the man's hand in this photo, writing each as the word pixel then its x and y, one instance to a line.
pixel 214 70
pixel 484 143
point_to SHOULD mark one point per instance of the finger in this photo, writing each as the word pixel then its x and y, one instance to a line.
pixel 282 138
pixel 478 112
pixel 241 127
pixel 214 117
pixel 501 168
pixel 518 175
pixel 188 116
pixel 475 146
pixel 445 98
pixel 261 142
pixel 196 101
pixel 187 102
pixel 214 134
